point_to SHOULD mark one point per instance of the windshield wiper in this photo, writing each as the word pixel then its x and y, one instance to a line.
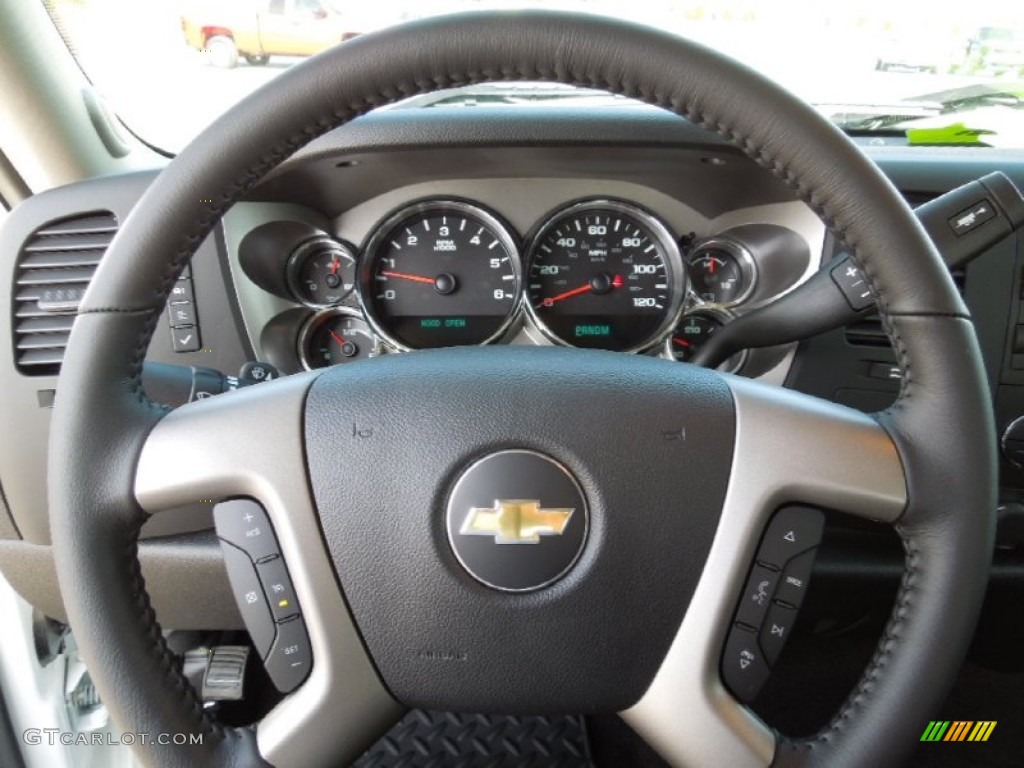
pixel 509 94
pixel 876 118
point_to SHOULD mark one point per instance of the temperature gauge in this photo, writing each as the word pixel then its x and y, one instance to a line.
pixel 336 336
pixel 722 272
pixel 321 272
pixel 693 330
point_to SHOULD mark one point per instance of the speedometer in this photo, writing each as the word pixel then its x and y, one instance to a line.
pixel 606 275
pixel 441 273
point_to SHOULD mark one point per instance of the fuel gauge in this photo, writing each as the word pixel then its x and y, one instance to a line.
pixel 336 336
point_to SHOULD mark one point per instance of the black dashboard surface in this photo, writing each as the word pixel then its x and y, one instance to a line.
pixel 514 158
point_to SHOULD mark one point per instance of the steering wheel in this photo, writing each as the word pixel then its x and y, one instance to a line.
pixel 673 492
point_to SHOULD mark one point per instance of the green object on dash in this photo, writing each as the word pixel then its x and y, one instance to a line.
pixel 955 134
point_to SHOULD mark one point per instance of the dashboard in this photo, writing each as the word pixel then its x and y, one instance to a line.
pixel 620 228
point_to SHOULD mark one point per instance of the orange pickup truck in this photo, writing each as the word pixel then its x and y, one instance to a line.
pixel 259 29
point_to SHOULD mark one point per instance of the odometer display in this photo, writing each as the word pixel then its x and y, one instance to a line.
pixel 441 274
pixel 604 275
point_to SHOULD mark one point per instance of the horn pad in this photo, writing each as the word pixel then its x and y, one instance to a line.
pixel 440 472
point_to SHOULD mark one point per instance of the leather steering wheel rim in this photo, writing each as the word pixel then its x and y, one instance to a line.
pixel 941 425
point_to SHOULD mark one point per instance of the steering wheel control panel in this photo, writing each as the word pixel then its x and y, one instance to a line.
pixel 263 590
pixel 768 607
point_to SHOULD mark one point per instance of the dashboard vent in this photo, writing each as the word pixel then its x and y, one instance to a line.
pixel 53 270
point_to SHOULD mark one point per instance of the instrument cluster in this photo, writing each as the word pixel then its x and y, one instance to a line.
pixel 595 273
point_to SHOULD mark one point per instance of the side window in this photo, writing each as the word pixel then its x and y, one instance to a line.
pixel 276 6
pixel 308 6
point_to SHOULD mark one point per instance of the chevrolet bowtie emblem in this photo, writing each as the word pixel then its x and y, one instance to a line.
pixel 516 521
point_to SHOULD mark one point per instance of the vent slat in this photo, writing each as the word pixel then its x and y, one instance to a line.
pixel 54 268
pixel 38 358
pixel 84 242
pixel 43 341
pixel 80 225
pixel 56 276
pixel 48 260
pixel 45 324
pixel 31 309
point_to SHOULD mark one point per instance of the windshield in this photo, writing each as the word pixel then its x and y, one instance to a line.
pixel 939 73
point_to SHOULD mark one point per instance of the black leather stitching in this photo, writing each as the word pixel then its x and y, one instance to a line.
pixel 890 639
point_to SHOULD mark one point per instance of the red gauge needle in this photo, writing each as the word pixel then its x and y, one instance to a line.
pixel 338 338
pixel 335 265
pixel 567 295
pixel 711 266
pixel 414 278
pixel 681 342
pixel 616 282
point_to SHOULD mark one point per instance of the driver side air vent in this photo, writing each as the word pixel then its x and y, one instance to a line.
pixel 53 270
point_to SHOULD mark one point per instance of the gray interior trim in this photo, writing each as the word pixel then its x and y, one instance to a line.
pixel 185 578
pixel 789 447
pixel 8 530
pixel 45 126
pixel 13 188
pixel 218 448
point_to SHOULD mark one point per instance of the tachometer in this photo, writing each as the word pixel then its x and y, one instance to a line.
pixel 606 275
pixel 441 273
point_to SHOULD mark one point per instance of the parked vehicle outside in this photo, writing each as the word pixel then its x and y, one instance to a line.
pixel 258 29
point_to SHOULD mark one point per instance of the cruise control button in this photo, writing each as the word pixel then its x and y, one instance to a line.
pixel 776 630
pixel 793 584
pixel 245 585
pixel 290 659
pixel 744 669
pixel 757 596
pixel 793 530
pixel 243 523
pixel 278 588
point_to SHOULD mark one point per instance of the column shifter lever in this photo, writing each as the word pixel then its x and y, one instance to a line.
pixel 963 224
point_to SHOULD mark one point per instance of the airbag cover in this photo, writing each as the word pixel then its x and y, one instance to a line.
pixel 650 444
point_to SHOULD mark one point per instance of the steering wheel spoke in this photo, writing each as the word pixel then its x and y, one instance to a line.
pixel 790 448
pixel 249 444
